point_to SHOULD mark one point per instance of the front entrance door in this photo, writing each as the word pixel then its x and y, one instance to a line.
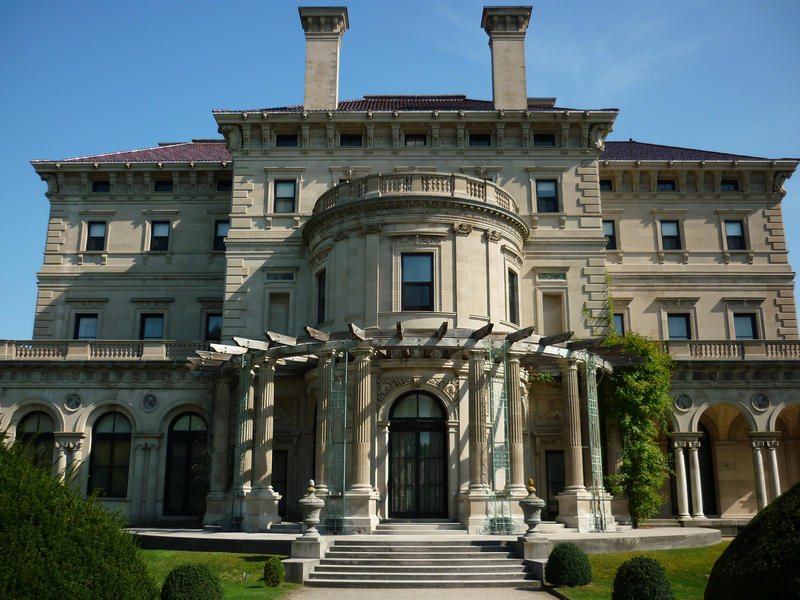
pixel 418 452
pixel 186 466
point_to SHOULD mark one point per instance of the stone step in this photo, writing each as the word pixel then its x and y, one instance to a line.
pixel 373 541
pixel 418 576
pixel 286 528
pixel 442 570
pixel 418 525
pixel 417 547
pixel 375 583
pixel 413 562
pixel 398 555
pixel 420 532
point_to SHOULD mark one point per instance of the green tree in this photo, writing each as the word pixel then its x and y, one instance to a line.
pixel 55 543
pixel 636 398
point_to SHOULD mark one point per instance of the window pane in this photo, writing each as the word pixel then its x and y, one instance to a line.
pixel 729 185
pixel 417 296
pixel 619 323
pixel 284 189
pixel 222 228
pixel 406 408
pixel 428 408
pixel 162 185
pixel 224 185
pixel 321 297
pixel 480 139
pixel 97 230
pixel 606 185
pixel 350 139
pixel 284 205
pixel 417 268
pixel 160 229
pixel 197 424
pixel 183 423
pixel 152 327
pixel 678 326
pixel 213 326
pixel 285 140
pixel 544 139
pixel 101 187
pixel 666 185
pixel 415 139
pixel 610 232
pixel 669 228
pixel 36 422
pixel 513 297
pixel 545 188
pixel 733 228
pixel 745 326
pixel 85 327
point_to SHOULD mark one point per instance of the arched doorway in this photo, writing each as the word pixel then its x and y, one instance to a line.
pixel 186 466
pixel 111 454
pixel 417 457
pixel 35 433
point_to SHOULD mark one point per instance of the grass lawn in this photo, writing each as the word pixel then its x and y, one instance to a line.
pixel 687 571
pixel 228 565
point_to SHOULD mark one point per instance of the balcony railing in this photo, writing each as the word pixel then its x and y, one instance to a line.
pixel 447 185
pixel 733 349
pixel 98 350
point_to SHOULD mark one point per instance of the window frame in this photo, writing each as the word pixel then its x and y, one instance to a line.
pixel 77 323
pixel 206 318
pixel 218 242
pixel 224 185
pixel 142 325
pixel 618 331
pixel 350 138
pixel 609 187
pixel 556 198
pixel 163 186
pixel 475 139
pixel 754 321
pixel 96 183
pixel 405 285
pixel 282 138
pixel 116 441
pixel 666 184
pixel 611 240
pixel 542 139
pixel 321 283
pixel 512 296
pixel 742 237
pixel 104 244
pixel 416 136
pixel 276 198
pixel 729 182
pixel 678 237
pixel 687 318
pixel 151 227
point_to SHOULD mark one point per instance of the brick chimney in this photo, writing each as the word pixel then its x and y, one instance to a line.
pixel 506 26
pixel 324 26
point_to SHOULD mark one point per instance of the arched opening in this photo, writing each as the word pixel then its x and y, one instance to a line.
pixel 417 457
pixel 110 457
pixel 35 433
pixel 788 451
pixel 187 466
pixel 708 478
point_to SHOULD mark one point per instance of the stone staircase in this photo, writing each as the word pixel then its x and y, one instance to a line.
pixel 419 527
pixel 383 562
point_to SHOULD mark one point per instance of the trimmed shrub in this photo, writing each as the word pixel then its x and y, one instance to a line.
pixel 641 577
pixel 55 543
pixel 762 561
pixel 274 573
pixel 568 565
pixel 192 582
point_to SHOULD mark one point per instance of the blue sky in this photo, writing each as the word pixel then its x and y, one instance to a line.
pixel 89 77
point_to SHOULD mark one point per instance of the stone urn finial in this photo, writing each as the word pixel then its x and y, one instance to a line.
pixel 532 507
pixel 311 507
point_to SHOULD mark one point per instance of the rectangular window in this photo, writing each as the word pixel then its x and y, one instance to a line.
pixel 480 139
pixel 96 239
pixel 610 231
pixel 670 235
pixel 101 187
pixel 321 297
pixel 224 185
pixel 85 327
pixel 285 195
pixel 162 185
pixel 619 323
pixel 159 236
pixel 666 185
pixel 606 185
pixel 416 139
pixel 744 325
pixel 729 185
pixel 417 276
pixel 734 235
pixel 213 327
pixel 278 317
pixel 221 229
pixel 284 140
pixel 151 327
pixel 546 196
pixel 513 297
pixel 678 326
pixel 350 140
pixel 544 139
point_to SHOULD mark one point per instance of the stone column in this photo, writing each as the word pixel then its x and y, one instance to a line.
pixel 260 509
pixel 246 438
pixel 361 499
pixel 573 451
pixel 325 369
pixel 697 486
pixel 61 459
pixel 515 426
pixel 680 482
pixel 137 494
pixel 151 468
pixel 360 467
pixel 217 500
pixel 772 455
pixel 478 480
pixel 758 471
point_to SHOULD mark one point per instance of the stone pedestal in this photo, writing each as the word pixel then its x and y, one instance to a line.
pixel 260 510
pixel 575 510
pixel 218 510
pixel 361 511
pixel 306 552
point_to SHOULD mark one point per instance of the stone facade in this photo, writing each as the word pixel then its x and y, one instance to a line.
pixel 413 236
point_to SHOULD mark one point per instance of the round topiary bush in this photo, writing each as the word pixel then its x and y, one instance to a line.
pixel 192 582
pixel 762 561
pixel 57 544
pixel 639 578
pixel 568 565
pixel 274 573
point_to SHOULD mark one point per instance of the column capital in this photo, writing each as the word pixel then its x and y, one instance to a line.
pixel 266 361
pixel 757 444
pixel 685 436
pixel 325 354
pixel 679 444
pixel 364 353
pixel 477 353
pixel 772 443
pixel 764 436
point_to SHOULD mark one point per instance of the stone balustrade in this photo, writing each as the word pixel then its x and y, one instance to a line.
pixel 733 349
pixel 98 350
pixel 448 185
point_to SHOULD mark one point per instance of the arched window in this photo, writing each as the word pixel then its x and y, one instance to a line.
pixel 35 433
pixel 110 458
pixel 187 461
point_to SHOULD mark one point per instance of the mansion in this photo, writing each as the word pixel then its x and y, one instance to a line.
pixel 399 297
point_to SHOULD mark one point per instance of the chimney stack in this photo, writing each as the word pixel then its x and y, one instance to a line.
pixel 506 26
pixel 324 26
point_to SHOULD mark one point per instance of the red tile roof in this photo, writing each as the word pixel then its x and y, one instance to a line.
pixel 422 102
pixel 196 150
pixel 633 150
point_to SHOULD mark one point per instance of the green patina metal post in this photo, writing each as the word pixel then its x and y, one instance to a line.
pixel 337 444
pixel 598 491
